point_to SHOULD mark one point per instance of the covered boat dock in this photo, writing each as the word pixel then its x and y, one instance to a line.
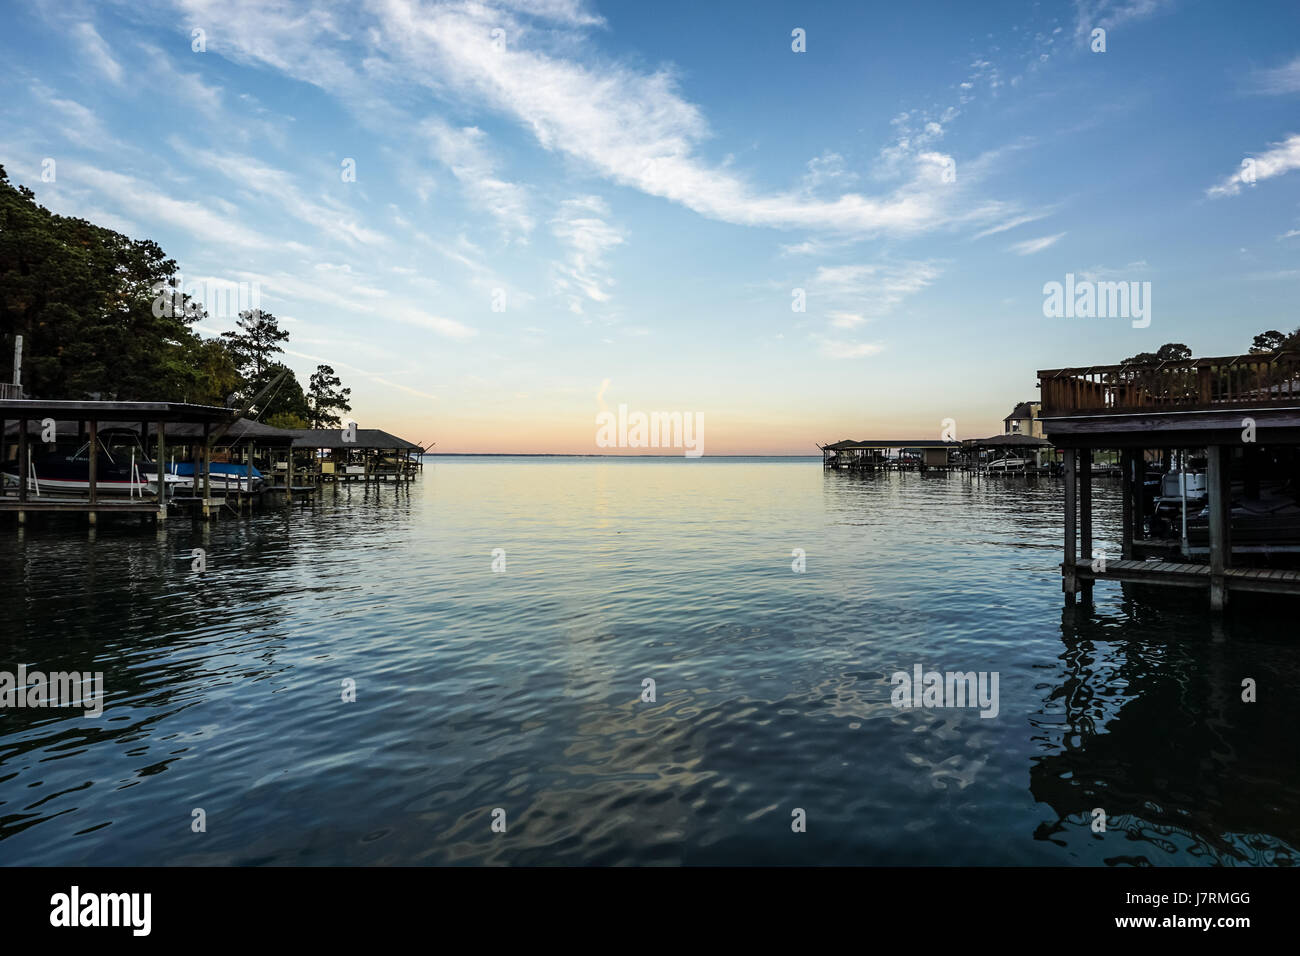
pixel 85 419
pixel 1241 412
pixel 873 454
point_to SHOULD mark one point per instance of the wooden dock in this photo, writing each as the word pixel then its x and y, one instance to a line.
pixel 1241 412
pixel 295 464
pixel 873 455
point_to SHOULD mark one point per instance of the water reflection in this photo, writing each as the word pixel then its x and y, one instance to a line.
pixel 1145 721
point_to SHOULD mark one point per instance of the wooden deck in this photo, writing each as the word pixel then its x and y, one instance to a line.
pixel 138 506
pixel 1260 580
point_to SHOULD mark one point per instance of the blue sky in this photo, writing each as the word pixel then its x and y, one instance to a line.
pixel 639 188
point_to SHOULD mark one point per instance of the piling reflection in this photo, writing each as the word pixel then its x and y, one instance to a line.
pixel 1145 722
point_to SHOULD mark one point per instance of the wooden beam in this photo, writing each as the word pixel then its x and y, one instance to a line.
pixel 1128 468
pixel 1218 527
pixel 24 460
pixel 1085 516
pixel 1068 582
pixel 94 465
pixel 161 469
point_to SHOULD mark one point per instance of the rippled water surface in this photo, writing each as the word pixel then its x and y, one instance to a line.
pixel 521 690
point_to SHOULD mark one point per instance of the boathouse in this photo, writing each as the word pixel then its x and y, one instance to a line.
pixel 23 421
pixel 359 454
pixel 873 454
pixel 1235 420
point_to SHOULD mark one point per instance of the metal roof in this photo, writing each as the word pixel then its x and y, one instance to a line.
pixel 368 438
pixel 848 444
pixel 15 408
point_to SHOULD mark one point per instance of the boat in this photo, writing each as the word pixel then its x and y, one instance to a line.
pixel 1177 488
pixel 128 472
pixel 222 476
pixel 1004 465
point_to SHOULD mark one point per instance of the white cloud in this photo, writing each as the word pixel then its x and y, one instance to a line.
pixel 1030 246
pixel 1278 161
pixel 79 125
pixel 840 349
pixel 97 51
pixel 872 289
pixel 631 126
pixel 1283 79
pixel 1100 273
pixel 1010 224
pixel 571 12
pixel 150 206
pixel 328 215
pixel 582 230
pixel 1109 14
pixel 464 152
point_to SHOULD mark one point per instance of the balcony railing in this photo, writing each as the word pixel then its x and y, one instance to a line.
pixel 1262 380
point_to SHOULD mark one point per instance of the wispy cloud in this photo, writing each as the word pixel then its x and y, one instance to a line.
pixel 79 124
pixel 840 349
pixel 148 204
pixel 1109 14
pixel 1030 246
pixel 1278 161
pixel 97 51
pixel 632 126
pixel 1011 224
pixel 582 230
pixel 1280 80
pixel 329 216
pixel 465 153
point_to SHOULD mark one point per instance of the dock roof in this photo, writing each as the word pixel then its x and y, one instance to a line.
pixel 223 435
pixel 19 408
pixel 850 445
pixel 332 438
pixel 1011 440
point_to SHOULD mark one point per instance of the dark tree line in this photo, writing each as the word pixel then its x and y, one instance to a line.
pixel 84 298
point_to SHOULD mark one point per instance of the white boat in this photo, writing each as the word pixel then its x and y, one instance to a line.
pixel 1009 464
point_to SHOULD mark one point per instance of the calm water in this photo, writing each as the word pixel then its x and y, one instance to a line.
pixel 521 690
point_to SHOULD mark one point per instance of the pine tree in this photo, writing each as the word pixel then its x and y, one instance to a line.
pixel 325 396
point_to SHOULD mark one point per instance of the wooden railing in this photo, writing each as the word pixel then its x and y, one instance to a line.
pixel 1265 379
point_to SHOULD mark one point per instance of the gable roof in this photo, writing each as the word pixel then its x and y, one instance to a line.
pixel 1022 410
pixel 371 438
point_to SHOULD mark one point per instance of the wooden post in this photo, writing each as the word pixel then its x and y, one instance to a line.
pixel 1128 466
pixel 1139 493
pixel 1085 516
pixel 161 469
pixel 24 466
pixel 1219 543
pixel 94 466
pixel 207 454
pixel 1068 583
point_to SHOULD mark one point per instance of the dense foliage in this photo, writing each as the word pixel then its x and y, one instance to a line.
pixel 86 301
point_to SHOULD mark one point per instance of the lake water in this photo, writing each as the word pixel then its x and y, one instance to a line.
pixel 521 689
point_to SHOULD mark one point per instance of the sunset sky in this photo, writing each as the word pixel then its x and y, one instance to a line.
pixel 640 188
